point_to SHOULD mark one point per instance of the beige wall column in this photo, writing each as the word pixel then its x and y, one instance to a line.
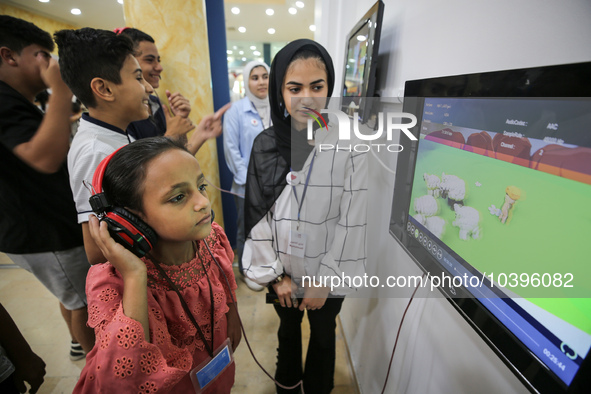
pixel 179 28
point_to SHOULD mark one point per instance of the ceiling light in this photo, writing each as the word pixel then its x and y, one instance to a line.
pixel 300 4
pixel 229 52
pixel 120 1
pixel 292 10
pixel 241 53
pixel 313 27
pixel 235 10
pixel 44 1
pixel 256 53
pixel 243 59
pixel 361 37
pixel 271 31
pixel 269 11
pixel 253 47
pixel 234 47
pixel 242 29
pixel 230 58
pixel 75 11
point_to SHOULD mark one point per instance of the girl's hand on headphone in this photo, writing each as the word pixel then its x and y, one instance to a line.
pixel 132 269
pixel 122 259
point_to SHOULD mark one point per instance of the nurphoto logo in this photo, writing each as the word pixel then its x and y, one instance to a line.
pixel 344 125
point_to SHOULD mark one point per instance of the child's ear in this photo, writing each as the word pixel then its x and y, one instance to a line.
pixel 7 57
pixel 137 213
pixel 102 89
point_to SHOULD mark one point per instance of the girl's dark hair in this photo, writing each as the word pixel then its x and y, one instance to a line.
pixel 305 54
pixel 123 182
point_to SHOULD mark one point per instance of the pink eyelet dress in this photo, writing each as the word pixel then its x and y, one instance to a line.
pixel 123 362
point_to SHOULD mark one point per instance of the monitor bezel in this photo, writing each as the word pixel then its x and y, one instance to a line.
pixel 566 81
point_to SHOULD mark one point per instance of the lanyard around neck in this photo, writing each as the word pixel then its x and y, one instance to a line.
pixel 208 347
pixel 300 205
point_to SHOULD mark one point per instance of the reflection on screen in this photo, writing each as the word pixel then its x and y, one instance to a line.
pixel 356 62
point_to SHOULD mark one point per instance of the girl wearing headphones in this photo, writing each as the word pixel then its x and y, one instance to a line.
pixel 157 318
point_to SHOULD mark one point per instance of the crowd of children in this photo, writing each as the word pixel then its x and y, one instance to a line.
pixel 148 290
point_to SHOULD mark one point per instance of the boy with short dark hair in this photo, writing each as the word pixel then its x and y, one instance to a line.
pixel 38 229
pixel 161 122
pixel 100 68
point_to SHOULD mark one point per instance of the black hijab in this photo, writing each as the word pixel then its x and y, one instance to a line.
pixel 271 156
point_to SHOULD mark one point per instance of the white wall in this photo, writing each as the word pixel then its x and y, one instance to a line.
pixel 438 352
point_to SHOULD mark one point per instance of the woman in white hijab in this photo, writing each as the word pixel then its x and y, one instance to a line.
pixel 242 123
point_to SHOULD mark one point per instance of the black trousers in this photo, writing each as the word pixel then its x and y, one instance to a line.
pixel 318 373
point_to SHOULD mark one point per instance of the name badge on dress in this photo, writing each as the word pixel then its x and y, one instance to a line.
pixel 211 368
pixel 297 244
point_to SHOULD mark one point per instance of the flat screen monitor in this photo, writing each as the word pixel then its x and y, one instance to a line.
pixel 497 188
pixel 361 56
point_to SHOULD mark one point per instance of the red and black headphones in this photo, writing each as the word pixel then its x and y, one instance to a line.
pixel 125 227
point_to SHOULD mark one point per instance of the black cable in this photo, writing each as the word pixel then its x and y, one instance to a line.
pixel 398 334
pixel 300 383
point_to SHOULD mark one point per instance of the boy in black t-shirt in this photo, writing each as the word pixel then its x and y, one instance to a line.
pixel 38 228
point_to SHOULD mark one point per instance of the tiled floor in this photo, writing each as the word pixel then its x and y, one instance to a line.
pixel 36 312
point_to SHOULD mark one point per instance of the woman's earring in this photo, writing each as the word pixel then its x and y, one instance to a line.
pixel 285 113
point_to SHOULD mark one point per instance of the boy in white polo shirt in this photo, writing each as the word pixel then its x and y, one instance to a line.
pixel 100 68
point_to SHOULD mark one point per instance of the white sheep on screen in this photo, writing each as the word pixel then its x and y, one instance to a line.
pixel 436 225
pixel 433 183
pixel 453 188
pixel 426 205
pixel 467 219
pixel 419 218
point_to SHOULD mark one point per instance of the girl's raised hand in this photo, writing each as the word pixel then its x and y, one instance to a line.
pixel 122 259
pixel 132 269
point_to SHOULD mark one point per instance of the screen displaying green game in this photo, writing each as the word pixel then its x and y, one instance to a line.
pixel 508 197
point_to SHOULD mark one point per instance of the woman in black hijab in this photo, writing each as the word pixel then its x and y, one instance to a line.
pixel 275 144
pixel 305 214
